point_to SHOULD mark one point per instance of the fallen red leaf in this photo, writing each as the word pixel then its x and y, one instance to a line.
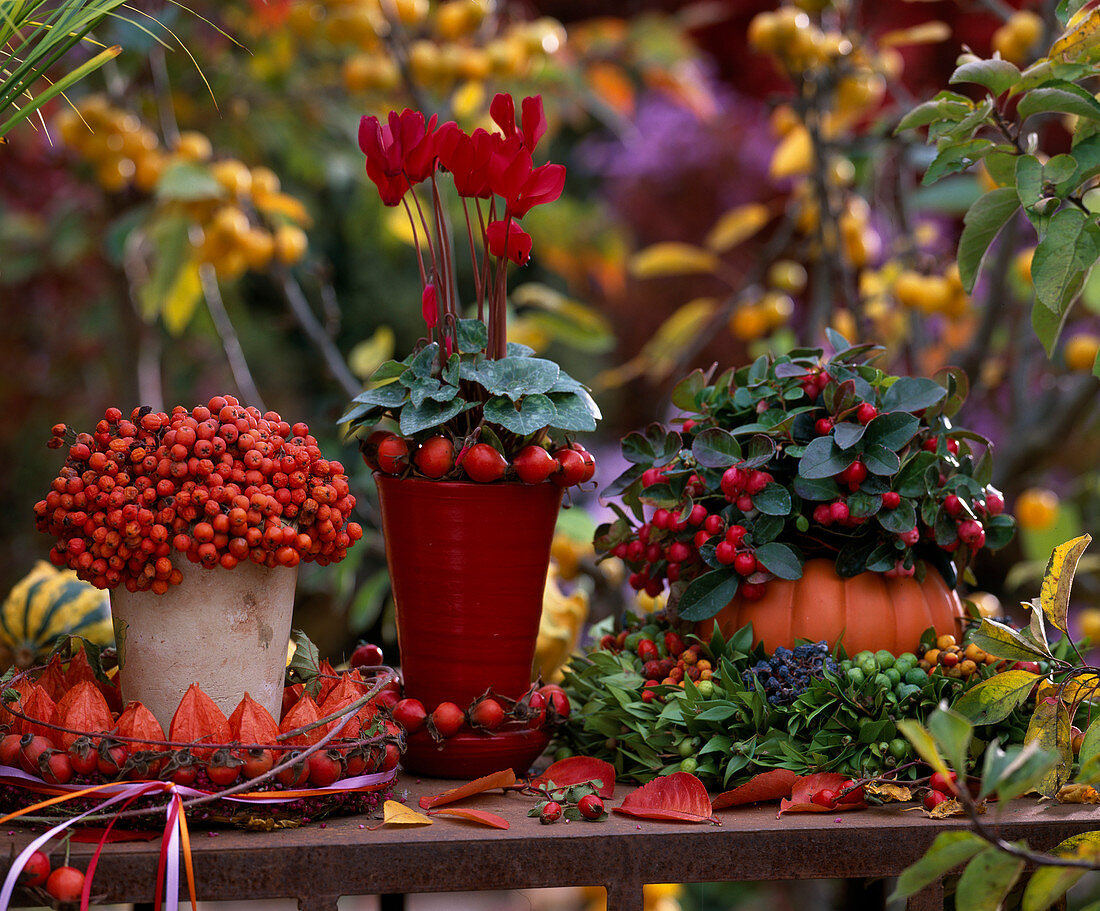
pixel 804 789
pixel 502 779
pixel 93 834
pixel 679 796
pixel 577 770
pixel 770 785
pixel 481 816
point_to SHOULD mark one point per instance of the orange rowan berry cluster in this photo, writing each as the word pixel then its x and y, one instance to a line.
pixel 219 484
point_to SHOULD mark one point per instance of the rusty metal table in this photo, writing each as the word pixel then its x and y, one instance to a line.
pixel 317 865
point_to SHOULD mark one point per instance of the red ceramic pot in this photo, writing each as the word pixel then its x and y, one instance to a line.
pixel 468 566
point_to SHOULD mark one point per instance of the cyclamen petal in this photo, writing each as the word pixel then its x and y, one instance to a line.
pixel 503 112
pixel 518 248
pixel 544 185
pixel 534 121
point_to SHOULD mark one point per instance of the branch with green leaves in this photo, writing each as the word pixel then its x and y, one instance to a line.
pixel 1045 763
pixel 1055 193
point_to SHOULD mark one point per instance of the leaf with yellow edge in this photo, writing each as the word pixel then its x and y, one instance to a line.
pixel 987 879
pixel 1077 793
pixel 1058 579
pixel 1049 884
pixel 1050 726
pixel 1081 687
pixel 1080 35
pixel 922 742
pixel 888 791
pixel 662 351
pixel 993 700
pixel 667 259
pixel 737 225
pixel 181 299
pixel 931 32
pixel 794 156
pixel 371 353
pixel 397 814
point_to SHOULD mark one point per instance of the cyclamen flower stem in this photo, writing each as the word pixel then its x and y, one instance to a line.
pixel 416 241
pixel 427 230
pixel 448 293
pixel 473 259
pixel 487 290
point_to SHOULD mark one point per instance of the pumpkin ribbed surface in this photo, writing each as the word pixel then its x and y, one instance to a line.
pixel 870 611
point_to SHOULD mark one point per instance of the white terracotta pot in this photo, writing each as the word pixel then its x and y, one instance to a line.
pixel 224 629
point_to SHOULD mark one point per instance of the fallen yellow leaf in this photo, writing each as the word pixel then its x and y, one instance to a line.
pixel 951 808
pixel 888 791
pixel 1078 793
pixel 397 814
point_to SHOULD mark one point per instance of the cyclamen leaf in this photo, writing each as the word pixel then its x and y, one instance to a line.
pixel 533 414
pixel 578 770
pixel 502 779
pixel 770 785
pixel 679 797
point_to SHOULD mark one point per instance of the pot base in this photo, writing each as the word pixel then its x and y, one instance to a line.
pixel 469 755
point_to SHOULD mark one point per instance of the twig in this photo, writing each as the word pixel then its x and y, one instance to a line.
pixel 223 325
pixel 311 326
pixel 163 94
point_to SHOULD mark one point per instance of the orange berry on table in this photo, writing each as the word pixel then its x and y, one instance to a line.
pixel 945 641
pixel 932 656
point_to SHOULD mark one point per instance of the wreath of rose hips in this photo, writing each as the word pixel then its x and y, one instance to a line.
pixel 220 484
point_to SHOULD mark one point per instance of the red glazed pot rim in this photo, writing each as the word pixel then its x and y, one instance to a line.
pixel 381 475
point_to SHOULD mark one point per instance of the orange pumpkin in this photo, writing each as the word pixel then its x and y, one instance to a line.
pixel 870 611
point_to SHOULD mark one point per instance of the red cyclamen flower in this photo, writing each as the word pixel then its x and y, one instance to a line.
pixel 399 152
pixel 518 248
pixel 503 112
pixel 467 158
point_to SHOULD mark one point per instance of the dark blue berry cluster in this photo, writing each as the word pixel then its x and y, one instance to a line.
pixel 788 672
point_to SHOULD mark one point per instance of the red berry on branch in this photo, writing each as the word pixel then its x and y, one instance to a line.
pixel 866 413
pixel 891 499
pixel 534 464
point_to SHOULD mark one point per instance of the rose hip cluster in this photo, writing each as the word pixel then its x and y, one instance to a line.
pixel 436 459
pixel 669 543
pixel 220 483
pixel 540 706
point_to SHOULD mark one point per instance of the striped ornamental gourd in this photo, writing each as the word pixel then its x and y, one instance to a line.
pixel 45 605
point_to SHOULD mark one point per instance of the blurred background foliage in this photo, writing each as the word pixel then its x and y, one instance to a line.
pixel 197 221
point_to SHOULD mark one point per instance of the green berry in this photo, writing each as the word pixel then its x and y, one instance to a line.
pixel 856 676
pixel 845 666
pixel 893 675
pixel 685 748
pixel 906 691
pixel 884 658
pixel 908 657
pixel 916 676
pixel 899 748
pixel 883 682
pixel 869 667
pixel 689 765
pixel 860 657
pixel 705 688
pixel 562 753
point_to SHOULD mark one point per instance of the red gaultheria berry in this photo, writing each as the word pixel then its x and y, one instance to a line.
pixel 725 552
pixel 972 533
pixel 735 534
pixel 756 482
pixel 713 524
pixel 994 504
pixel 744 503
pixel 866 413
pixel 952 505
pixel 745 564
pixel 891 499
pixel 838 511
pixel 660 518
pixel 856 473
pixel 910 537
pixel 733 482
pixel 701 538
pixel 698 514
pixel 678 552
